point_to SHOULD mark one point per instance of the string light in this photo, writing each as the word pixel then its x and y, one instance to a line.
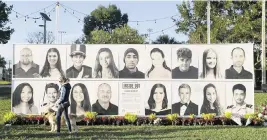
pixel 28 15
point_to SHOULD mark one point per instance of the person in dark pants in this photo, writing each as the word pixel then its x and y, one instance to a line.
pixel 64 98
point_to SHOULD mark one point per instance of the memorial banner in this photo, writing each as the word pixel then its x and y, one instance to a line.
pixel 113 79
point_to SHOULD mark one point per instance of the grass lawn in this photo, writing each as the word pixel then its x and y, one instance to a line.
pixel 131 132
pixel 4 82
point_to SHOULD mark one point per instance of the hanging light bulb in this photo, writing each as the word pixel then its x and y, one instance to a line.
pixel 155 21
pixel 65 11
pixel 137 22
pixel 34 21
pixel 25 19
pixel 73 12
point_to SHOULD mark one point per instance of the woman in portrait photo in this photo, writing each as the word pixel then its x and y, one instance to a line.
pixel 22 100
pixel 105 66
pixel 158 101
pixel 52 66
pixel 159 68
pixel 210 67
pixel 79 104
pixel 211 102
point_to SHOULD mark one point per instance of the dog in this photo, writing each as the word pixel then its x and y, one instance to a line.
pixel 74 119
pixel 49 112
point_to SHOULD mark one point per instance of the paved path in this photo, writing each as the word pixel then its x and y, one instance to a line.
pixel 1 86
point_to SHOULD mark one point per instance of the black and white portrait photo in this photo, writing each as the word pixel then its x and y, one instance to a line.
pixel 185 63
pixel 158 98
pixel 105 98
pixel 240 98
pixel 209 64
pixel 184 99
pixel 213 98
pixel 131 62
pixel 159 66
pixel 105 65
pixel 79 102
pixel 54 61
pixel 25 62
pixel 25 98
pixel 77 66
pixel 241 65
pixel 49 95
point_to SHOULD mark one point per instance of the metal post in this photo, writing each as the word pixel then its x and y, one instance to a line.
pixel 208 22
pixel 263 44
pixel 44 31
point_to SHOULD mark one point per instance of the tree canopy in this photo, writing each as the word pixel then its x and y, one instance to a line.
pixel 165 39
pixel 120 35
pixel 231 21
pixel 5 31
pixel 104 18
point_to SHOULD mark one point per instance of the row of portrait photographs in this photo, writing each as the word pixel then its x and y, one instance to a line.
pixel 142 98
pixel 233 61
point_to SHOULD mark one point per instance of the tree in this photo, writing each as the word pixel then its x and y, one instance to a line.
pixel 165 39
pixel 5 31
pixel 231 21
pixel 120 35
pixel 105 19
pixel 2 62
pixel 38 38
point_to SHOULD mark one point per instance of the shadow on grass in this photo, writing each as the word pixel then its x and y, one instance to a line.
pixel 5 92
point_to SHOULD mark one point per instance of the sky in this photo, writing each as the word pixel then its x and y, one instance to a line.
pixel 68 22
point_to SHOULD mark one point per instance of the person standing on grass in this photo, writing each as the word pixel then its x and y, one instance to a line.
pixel 63 99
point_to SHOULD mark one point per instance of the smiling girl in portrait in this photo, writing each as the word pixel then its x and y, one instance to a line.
pixel 80 103
pixel 210 67
pixel 52 66
pixel 105 66
pixel 211 102
pixel 22 100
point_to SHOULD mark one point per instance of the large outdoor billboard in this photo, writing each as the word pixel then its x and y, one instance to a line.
pixel 113 79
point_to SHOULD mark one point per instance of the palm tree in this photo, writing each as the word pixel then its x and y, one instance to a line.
pixel 165 39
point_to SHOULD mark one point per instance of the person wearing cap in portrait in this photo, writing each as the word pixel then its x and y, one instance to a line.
pixel 78 70
pixel 240 107
pixel 130 70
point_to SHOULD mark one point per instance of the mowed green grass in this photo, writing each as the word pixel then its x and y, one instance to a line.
pixel 132 132
pixel 4 82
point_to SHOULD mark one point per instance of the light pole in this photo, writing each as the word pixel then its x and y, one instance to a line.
pixel 61 32
pixel 263 60
pixel 149 31
pixel 45 18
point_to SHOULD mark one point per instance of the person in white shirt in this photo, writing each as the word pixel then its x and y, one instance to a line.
pixel 185 106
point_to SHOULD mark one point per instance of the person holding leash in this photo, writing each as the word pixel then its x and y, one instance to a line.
pixel 63 103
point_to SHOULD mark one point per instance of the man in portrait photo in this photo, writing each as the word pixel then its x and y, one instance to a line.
pixel 130 70
pixel 185 106
pixel 240 107
pixel 25 68
pixel 184 70
pixel 103 106
pixel 78 70
pixel 237 71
